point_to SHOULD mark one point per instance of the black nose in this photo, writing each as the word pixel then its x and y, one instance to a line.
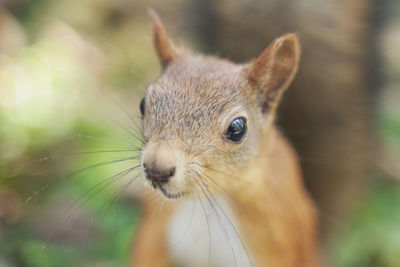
pixel 158 176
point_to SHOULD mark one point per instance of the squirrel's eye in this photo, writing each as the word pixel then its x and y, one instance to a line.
pixel 236 130
pixel 142 104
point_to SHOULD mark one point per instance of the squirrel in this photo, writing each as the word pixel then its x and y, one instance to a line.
pixel 224 185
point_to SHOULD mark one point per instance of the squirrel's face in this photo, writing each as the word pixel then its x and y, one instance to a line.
pixel 203 118
pixel 198 118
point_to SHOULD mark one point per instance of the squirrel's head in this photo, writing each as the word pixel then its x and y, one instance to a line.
pixel 205 114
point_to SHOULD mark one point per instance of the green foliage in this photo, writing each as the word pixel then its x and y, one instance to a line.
pixel 390 128
pixel 371 238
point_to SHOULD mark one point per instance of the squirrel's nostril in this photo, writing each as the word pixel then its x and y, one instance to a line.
pixel 160 176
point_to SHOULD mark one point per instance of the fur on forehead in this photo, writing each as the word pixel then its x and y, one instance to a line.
pixel 200 81
pixel 202 74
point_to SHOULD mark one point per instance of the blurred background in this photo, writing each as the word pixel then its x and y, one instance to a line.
pixel 72 74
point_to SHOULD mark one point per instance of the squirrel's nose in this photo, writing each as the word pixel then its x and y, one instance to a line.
pixel 158 176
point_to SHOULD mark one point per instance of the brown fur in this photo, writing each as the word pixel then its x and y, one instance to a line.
pixel 290 235
pixel 150 249
pixel 329 112
pixel 187 111
pixel 164 47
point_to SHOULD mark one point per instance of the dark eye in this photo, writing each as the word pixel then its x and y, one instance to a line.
pixel 142 104
pixel 236 130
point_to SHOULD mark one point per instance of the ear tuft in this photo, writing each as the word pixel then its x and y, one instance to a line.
pixel 274 70
pixel 164 47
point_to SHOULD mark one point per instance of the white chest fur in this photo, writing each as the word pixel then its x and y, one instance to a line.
pixel 205 233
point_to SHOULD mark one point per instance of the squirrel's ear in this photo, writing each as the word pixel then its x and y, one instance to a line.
pixel 165 49
pixel 273 71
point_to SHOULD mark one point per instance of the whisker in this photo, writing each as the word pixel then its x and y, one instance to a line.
pixel 124 110
pixel 100 151
pixel 138 128
pixel 57 156
pixel 111 178
pixel 189 224
pixel 119 193
pixel 249 213
pixel 208 227
pixel 105 183
pixel 230 222
pixel 27 200
pixel 125 129
pixel 118 123
pixel 104 140
pixel 225 175
pixel 323 215
pixel 219 221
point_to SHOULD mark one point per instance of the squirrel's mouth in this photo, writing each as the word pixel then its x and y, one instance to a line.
pixel 172 195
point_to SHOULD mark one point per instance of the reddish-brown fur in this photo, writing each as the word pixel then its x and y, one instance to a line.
pixel 187 109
